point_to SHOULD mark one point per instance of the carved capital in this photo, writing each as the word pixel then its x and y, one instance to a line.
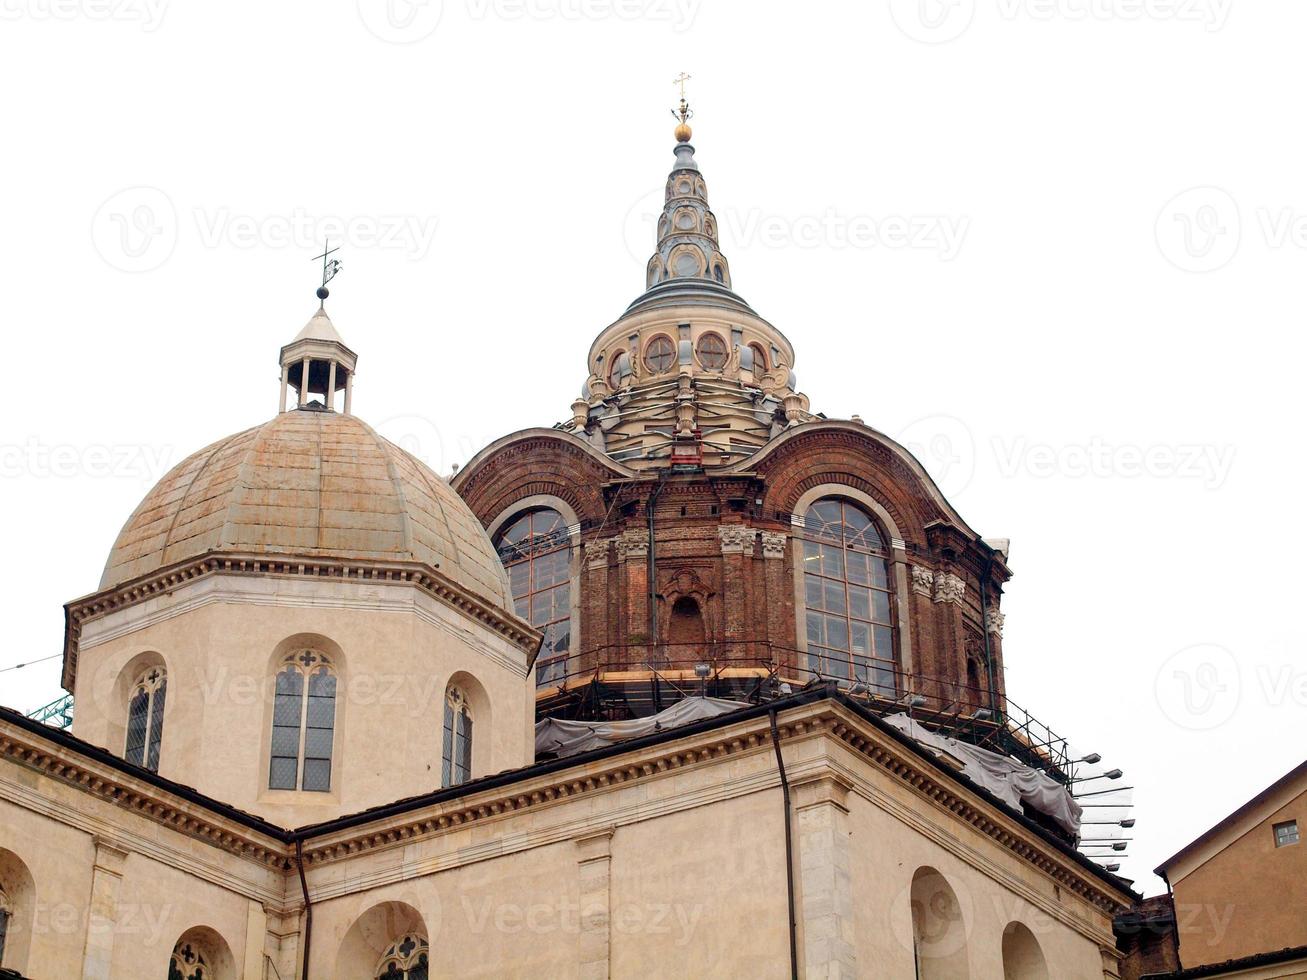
pixel 773 543
pixel 994 621
pixel 735 538
pixel 596 554
pixel 923 580
pixel 632 544
pixel 949 588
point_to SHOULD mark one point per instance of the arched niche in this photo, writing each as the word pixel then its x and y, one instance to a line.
pixel 1022 957
pixel 939 928
pixel 371 935
pixel 18 902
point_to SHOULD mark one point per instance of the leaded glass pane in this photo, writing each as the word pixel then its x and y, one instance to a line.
pixel 282 774
pixel 317 775
pixel 285 741
pixel 290 681
pixel 137 715
pixel 156 726
pixel 317 743
pixel 286 709
pixel 322 712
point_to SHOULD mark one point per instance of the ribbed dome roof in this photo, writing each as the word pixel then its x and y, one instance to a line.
pixel 312 484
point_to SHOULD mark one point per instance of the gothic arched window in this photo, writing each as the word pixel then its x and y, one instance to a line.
pixel 536 549
pixel 6 912
pixel 660 354
pixel 145 718
pixel 405 959
pixel 712 351
pixel 303 723
pixel 456 763
pixel 189 962
pixel 850 622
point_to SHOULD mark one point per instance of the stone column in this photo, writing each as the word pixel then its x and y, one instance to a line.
pixel 633 557
pixel 285 383
pixel 826 906
pixel 304 382
pixel 950 593
pixel 594 863
pixel 597 597
pixel 736 542
pixel 779 597
pixel 331 386
pixel 923 615
pixel 349 393
pixel 102 914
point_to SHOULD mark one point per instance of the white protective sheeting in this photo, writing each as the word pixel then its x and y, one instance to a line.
pixel 1005 777
pixel 565 738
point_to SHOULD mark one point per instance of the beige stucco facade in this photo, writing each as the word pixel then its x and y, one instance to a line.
pixel 667 859
pixel 1234 887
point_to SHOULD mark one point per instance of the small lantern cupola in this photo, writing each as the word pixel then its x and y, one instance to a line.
pixel 317 362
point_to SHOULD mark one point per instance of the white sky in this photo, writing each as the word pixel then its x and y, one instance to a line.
pixel 1059 295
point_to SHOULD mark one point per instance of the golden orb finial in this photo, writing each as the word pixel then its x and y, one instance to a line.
pixel 683 131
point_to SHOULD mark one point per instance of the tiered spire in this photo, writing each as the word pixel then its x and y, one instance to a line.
pixel 687 231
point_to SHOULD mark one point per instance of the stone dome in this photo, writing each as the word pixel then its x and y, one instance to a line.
pixel 315 484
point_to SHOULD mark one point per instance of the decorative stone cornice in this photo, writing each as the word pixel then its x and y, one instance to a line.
pixel 773 543
pixel 631 544
pixel 735 538
pixel 923 580
pixel 949 587
pixel 424 577
pixel 20 747
pixel 994 621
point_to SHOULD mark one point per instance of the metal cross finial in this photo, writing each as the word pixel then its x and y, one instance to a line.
pixel 330 267
pixel 680 80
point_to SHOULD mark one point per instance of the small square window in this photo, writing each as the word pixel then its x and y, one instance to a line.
pixel 1286 833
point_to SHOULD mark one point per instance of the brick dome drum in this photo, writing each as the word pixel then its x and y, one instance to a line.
pixel 314 484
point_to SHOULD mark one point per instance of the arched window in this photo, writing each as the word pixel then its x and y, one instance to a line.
pixel 303 723
pixel 6 912
pixel 536 549
pixel 189 962
pixel 759 362
pixel 850 623
pixel 456 767
pixel 718 274
pixel 712 351
pixel 660 354
pixel 405 959
pixel 145 718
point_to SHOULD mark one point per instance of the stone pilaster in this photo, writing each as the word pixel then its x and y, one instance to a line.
pixel 256 939
pixel 821 808
pixel 633 557
pixel 594 866
pixel 102 912
pixel 779 595
pixel 736 543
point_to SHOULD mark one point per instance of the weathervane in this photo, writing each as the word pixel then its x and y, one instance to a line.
pixel 330 267
pixel 683 113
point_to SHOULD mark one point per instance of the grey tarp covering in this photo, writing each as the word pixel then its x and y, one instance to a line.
pixel 1009 780
pixel 564 738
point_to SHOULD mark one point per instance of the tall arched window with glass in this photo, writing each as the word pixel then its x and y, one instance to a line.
pixel 303 723
pixel 405 959
pixel 5 913
pixel 537 551
pixel 850 615
pixel 456 763
pixel 145 718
